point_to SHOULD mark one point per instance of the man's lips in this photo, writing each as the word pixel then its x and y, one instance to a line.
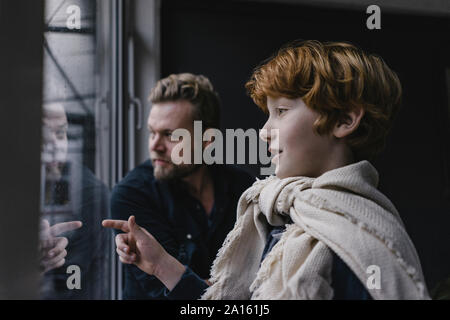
pixel 161 162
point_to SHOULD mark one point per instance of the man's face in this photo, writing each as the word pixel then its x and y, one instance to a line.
pixel 55 142
pixel 298 149
pixel 164 118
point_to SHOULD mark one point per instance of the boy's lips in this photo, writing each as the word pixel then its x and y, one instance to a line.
pixel 276 154
pixel 275 151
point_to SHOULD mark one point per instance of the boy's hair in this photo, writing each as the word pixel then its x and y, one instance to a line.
pixel 332 78
pixel 196 89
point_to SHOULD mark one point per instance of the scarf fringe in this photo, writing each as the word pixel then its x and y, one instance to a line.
pixel 269 262
pixel 218 274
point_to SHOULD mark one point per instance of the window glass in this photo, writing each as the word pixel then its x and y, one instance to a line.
pixel 74 199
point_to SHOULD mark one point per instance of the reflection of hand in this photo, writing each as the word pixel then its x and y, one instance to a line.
pixel 53 248
pixel 137 246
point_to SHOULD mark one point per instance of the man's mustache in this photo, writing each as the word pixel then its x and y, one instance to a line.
pixel 156 157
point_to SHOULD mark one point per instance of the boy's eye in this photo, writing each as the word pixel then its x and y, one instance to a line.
pixel 281 110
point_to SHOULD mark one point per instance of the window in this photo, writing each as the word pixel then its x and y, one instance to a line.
pixel 77 160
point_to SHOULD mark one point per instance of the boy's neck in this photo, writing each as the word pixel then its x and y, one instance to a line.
pixel 341 156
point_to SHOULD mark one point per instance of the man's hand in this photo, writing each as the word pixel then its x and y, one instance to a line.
pixel 137 246
pixel 53 248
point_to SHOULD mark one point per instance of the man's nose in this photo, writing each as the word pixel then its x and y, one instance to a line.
pixel 157 143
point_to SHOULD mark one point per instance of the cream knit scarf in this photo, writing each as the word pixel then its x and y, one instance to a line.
pixel 341 210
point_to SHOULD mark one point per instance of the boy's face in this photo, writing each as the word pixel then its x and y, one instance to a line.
pixel 298 150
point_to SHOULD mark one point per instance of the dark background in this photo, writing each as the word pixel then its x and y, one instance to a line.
pixel 226 40
pixel 20 146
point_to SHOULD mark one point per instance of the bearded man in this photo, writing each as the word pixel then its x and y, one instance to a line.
pixel 189 207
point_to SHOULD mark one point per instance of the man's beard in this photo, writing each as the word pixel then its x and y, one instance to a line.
pixel 174 172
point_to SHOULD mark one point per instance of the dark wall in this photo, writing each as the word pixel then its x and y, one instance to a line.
pixel 21 25
pixel 225 41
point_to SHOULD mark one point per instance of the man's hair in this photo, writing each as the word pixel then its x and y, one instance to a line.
pixel 197 90
pixel 333 78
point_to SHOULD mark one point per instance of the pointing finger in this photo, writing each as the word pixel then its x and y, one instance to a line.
pixel 116 224
pixel 59 228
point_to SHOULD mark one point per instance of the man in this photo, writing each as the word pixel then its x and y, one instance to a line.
pixel 189 207
pixel 73 198
pixel 54 155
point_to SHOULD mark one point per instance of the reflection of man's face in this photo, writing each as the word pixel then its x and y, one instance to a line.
pixel 55 142
pixel 164 118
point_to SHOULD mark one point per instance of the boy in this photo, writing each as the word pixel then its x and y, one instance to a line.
pixel 319 229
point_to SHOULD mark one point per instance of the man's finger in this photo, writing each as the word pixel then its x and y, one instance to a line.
pixel 59 264
pixel 132 224
pixel 122 241
pixel 136 231
pixel 123 260
pixel 59 228
pixel 136 234
pixel 47 243
pixel 116 224
pixel 44 231
pixel 60 245
pixel 44 224
pixel 55 260
pixel 131 258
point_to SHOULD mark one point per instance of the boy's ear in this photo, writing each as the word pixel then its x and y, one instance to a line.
pixel 349 123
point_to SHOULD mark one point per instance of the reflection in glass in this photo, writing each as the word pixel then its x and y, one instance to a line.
pixel 74 200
